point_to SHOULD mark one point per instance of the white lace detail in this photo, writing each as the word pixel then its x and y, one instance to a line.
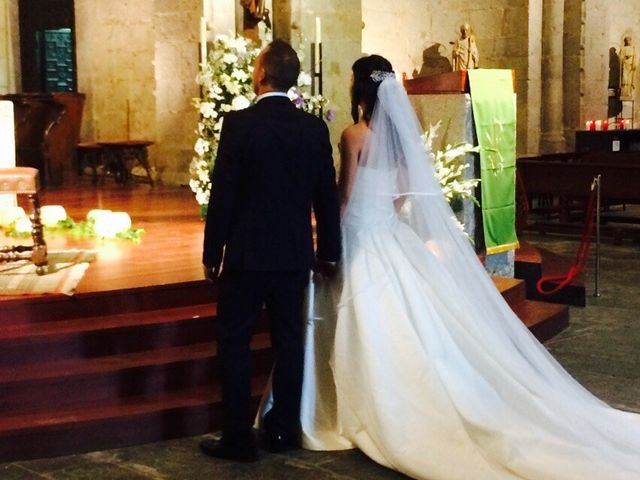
pixel 379 75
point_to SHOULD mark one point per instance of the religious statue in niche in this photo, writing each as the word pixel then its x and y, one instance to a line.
pixel 614 104
pixel 627 69
pixel 254 12
pixel 465 52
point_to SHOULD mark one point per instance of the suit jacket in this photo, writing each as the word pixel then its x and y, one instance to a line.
pixel 274 164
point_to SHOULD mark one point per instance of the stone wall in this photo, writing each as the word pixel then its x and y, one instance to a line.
pixel 5 46
pixel 573 68
pixel 144 54
pixel 402 30
pixel 529 85
pixel 408 31
pixel 341 43
pixel 9 47
pixel 137 62
pixel 596 60
pixel 176 65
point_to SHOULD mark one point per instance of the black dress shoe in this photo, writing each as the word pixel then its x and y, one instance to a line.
pixel 277 442
pixel 229 451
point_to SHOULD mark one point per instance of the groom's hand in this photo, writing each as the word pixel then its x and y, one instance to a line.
pixel 326 269
pixel 211 273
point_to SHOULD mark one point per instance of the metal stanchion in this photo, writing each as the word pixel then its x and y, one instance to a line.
pixel 597 183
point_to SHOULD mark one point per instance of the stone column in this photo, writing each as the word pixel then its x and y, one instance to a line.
pixel 530 88
pixel 552 139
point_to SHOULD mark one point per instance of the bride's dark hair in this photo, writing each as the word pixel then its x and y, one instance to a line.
pixel 364 90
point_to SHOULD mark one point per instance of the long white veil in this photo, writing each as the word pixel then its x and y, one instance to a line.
pixel 540 405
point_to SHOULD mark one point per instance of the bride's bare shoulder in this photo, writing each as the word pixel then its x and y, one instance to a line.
pixel 354 135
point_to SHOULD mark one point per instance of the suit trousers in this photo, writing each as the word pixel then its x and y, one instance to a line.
pixel 242 294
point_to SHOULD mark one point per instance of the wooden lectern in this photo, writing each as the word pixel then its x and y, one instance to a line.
pixel 450 82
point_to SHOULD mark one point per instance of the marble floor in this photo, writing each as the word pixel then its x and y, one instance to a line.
pixel 601 349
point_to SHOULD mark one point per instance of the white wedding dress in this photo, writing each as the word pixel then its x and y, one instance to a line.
pixel 414 357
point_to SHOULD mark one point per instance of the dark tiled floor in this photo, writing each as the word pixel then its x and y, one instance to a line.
pixel 601 349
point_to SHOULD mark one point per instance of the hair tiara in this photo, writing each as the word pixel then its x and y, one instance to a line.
pixel 379 75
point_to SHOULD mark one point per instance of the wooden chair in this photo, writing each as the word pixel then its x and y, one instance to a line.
pixel 25 181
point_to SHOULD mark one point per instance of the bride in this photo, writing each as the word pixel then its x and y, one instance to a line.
pixel 431 373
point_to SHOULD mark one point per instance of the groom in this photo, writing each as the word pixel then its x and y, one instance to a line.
pixel 274 163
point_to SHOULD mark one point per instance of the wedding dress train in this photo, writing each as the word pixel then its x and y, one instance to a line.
pixel 430 371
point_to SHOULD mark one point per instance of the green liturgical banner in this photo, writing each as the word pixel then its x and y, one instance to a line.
pixel 494 112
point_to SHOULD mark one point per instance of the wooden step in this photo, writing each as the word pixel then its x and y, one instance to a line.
pixel 105 336
pixel 136 420
pixel 31 309
pixel 544 320
pixel 104 380
pixel 49 330
pixel 137 372
pixel 512 289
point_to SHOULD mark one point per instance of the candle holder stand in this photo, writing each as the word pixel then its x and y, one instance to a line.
pixel 316 68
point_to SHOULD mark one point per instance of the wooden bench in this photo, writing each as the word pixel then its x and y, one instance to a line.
pixel 567 179
pixel 89 154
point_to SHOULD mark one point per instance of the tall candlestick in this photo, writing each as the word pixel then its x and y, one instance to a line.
pixel 203 40
pixel 316 67
pixel 7 146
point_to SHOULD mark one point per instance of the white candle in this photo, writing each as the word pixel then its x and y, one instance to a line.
pixel 318 31
pixel 205 10
pixel 7 146
pixel 598 124
pixel 109 224
pixel 50 215
pixel 96 213
pixel 316 67
pixel 9 214
pixel 203 40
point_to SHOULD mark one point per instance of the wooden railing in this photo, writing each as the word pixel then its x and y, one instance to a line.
pixel 47 132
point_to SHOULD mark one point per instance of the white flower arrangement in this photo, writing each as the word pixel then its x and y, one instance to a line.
pixel 450 165
pixel 226 85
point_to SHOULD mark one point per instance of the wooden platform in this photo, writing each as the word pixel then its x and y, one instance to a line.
pixel 131 358
pixel 532 263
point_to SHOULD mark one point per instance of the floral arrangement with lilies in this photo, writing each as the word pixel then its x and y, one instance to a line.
pixel 450 165
pixel 450 169
pixel 226 84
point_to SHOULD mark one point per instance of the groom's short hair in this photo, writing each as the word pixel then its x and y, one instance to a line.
pixel 281 65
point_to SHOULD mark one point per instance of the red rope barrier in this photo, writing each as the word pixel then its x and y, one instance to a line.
pixel 581 255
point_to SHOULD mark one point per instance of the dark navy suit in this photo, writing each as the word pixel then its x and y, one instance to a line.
pixel 274 165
